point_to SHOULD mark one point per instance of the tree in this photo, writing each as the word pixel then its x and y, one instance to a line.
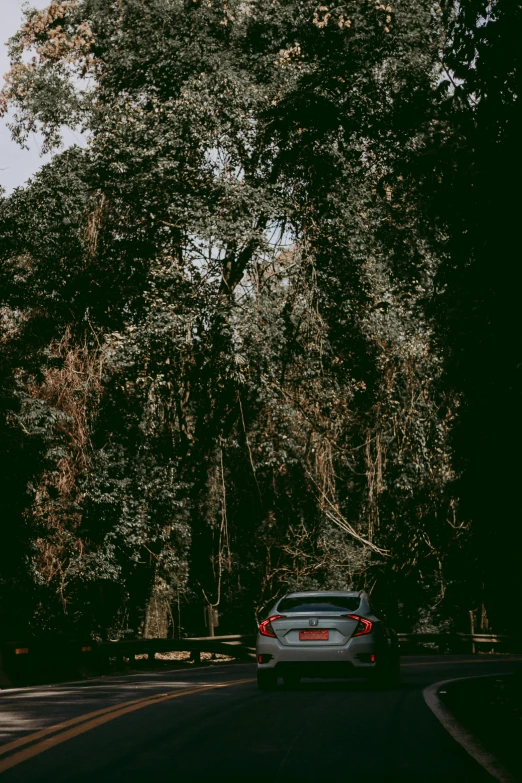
pixel 477 301
pixel 243 251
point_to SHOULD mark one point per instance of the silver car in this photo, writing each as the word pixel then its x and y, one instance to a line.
pixel 325 634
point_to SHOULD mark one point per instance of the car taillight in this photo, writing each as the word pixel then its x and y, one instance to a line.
pixel 364 626
pixel 265 628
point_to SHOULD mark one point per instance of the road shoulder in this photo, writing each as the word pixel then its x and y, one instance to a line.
pixel 434 697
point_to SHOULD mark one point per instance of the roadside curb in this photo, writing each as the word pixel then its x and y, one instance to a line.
pixel 460 734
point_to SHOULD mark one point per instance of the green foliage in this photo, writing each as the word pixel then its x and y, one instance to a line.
pixel 218 353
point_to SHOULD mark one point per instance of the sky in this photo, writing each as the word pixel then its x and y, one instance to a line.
pixel 17 164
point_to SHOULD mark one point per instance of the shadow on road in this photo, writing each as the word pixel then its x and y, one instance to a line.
pixel 344 685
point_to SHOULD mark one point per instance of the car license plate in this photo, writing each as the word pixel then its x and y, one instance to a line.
pixel 313 636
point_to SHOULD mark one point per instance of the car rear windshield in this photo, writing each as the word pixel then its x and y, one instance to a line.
pixel 319 603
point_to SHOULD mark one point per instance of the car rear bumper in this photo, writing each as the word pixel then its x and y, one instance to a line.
pixel 321 669
pixel 354 657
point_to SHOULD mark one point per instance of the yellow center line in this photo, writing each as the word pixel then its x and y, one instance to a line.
pixel 28 738
pixel 90 721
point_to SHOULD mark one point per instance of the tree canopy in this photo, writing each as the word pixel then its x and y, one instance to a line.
pixel 254 336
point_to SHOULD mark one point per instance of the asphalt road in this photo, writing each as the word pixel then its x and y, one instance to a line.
pixel 212 724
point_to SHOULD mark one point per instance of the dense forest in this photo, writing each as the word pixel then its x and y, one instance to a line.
pixel 262 331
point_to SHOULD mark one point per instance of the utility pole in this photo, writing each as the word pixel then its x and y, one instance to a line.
pixel 472 623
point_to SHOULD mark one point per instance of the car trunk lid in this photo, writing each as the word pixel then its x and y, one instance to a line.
pixel 315 630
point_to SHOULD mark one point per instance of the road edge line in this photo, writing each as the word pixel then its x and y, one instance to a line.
pixel 471 744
